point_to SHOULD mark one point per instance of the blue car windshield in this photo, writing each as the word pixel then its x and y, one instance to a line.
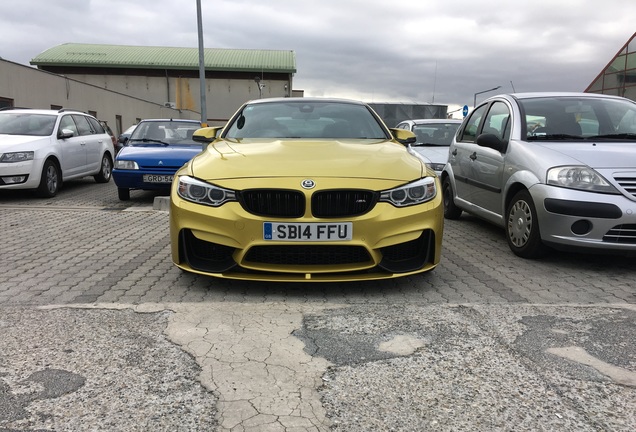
pixel 306 119
pixel 27 124
pixel 164 132
pixel 578 117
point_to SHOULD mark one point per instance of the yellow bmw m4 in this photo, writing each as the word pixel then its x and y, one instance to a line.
pixel 306 189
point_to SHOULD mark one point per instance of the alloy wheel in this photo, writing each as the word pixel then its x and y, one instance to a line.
pixel 51 179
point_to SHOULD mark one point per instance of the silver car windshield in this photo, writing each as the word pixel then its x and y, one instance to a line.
pixel 567 118
pixel 27 124
pixel 169 132
pixel 311 119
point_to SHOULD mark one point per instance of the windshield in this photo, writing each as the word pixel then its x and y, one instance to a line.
pixel 306 119
pixel 27 124
pixel 164 132
pixel 579 117
pixel 435 134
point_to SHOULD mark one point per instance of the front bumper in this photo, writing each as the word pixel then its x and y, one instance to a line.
pixel 31 169
pixel 228 242
pixel 577 220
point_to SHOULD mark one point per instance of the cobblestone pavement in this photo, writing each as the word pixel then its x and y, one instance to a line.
pixel 86 246
pixel 275 356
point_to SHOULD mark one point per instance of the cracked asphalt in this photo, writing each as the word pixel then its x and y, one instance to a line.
pixel 99 331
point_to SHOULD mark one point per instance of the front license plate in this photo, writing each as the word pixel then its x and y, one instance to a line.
pixel 341 231
pixel 157 178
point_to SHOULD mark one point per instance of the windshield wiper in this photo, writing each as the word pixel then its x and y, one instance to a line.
pixel 149 140
pixel 621 136
pixel 549 137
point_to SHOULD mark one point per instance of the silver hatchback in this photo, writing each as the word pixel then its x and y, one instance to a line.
pixel 554 169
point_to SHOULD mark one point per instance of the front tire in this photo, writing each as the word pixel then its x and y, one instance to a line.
pixel 451 211
pixel 124 194
pixel 50 181
pixel 522 227
pixel 105 171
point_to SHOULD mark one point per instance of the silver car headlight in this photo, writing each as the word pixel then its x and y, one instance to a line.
pixel 436 166
pixel 427 161
pixel 579 177
pixel 414 193
pixel 126 164
pixel 17 157
pixel 200 192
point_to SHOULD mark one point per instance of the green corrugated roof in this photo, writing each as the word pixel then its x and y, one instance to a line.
pixel 148 57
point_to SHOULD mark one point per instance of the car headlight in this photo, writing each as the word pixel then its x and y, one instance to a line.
pixel 435 166
pixel 580 178
pixel 414 193
pixel 17 157
pixel 427 161
pixel 200 192
pixel 126 164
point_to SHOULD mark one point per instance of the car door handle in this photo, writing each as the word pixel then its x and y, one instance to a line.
pixel 473 156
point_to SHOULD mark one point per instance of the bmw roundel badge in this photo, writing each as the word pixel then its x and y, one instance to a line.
pixel 308 184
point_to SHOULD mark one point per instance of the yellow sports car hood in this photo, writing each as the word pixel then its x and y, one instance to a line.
pixel 253 158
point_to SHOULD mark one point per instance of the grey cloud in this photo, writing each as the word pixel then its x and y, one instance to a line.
pixel 404 50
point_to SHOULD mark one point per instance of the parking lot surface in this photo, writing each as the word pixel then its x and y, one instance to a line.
pixel 100 331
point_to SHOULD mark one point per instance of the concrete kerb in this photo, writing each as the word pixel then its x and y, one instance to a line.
pixel 161 203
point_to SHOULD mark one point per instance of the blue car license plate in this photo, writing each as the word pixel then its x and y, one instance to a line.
pixel 307 232
pixel 157 178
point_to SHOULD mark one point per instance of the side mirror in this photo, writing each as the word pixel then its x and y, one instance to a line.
pixel 65 133
pixel 403 136
pixel 491 141
pixel 206 135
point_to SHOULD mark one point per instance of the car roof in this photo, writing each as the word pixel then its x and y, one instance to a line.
pixel 431 121
pixel 169 120
pixel 414 122
pixel 530 95
pixel 41 111
pixel 305 99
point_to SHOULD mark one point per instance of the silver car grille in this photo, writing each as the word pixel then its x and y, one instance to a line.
pixel 628 183
pixel 625 233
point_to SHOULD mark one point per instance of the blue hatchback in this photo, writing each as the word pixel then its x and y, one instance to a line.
pixel 153 153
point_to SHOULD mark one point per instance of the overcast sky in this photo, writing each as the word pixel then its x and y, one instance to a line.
pixel 413 51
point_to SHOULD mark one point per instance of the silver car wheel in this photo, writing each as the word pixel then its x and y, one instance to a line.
pixel 106 167
pixel 51 179
pixel 103 176
pixel 520 223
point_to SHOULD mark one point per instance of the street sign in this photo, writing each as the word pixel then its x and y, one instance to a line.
pixel 465 110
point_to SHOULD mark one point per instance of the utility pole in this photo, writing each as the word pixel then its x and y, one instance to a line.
pixel 202 85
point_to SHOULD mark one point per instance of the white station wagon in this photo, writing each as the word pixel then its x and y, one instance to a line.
pixel 40 149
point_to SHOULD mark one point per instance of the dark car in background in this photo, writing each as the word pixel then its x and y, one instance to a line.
pixel 109 131
pixel 432 139
pixel 155 150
